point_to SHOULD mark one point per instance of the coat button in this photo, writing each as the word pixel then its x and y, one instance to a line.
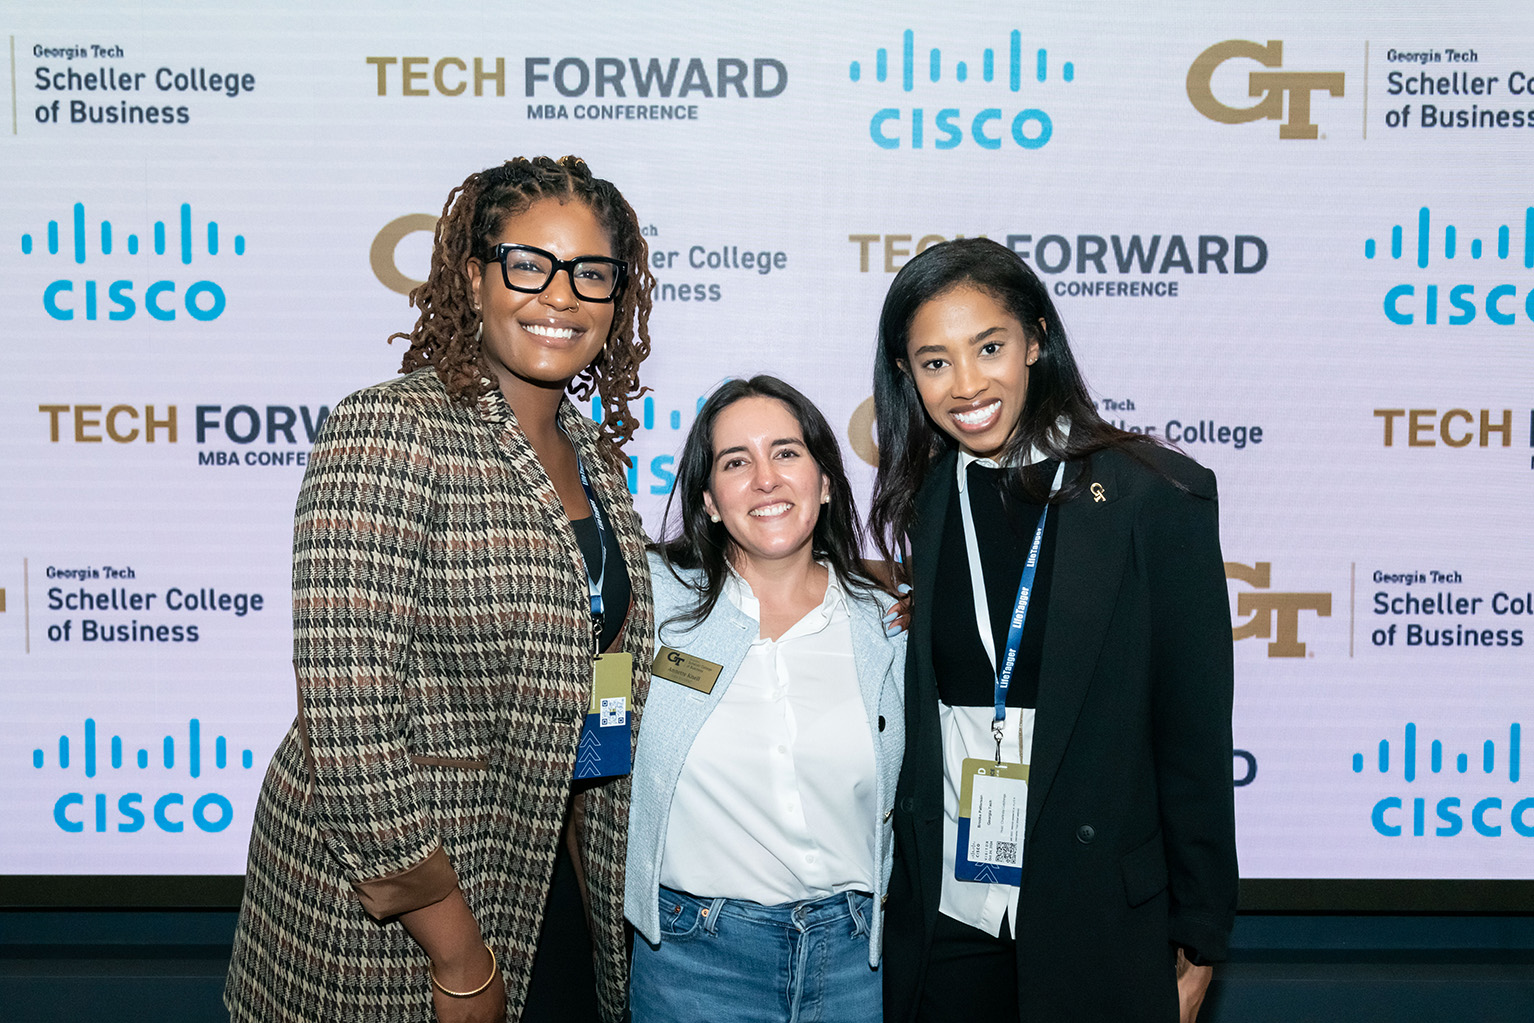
pixel 881 722
pixel 1085 834
pixel 907 804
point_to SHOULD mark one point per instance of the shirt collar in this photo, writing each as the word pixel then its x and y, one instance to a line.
pixel 1035 454
pixel 739 593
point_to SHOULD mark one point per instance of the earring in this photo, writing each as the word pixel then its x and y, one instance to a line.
pixel 713 518
pixel 479 331
pixel 825 498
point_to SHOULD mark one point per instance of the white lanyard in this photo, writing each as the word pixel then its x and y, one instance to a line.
pixel 1003 671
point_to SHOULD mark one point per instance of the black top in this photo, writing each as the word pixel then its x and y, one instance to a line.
pixel 1004 525
pixel 615 586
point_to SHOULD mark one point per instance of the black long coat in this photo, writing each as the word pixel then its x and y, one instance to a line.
pixel 1130 841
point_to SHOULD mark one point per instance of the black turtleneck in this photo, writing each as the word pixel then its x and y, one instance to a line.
pixel 1004 526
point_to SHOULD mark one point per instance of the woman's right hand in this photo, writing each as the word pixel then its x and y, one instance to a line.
pixel 489 1006
pixel 898 618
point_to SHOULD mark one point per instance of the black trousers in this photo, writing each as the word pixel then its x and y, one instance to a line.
pixel 971 976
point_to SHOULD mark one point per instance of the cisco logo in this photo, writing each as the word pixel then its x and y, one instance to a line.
pixel 659 474
pixel 1466 808
pixel 69 298
pixel 150 804
pixel 1448 252
pixel 980 123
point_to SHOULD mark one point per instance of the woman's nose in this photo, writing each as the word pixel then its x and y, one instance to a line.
pixel 968 381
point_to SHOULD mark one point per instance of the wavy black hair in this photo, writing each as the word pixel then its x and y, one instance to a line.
pixel 908 440
pixel 692 542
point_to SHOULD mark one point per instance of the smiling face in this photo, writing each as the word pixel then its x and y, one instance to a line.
pixel 542 340
pixel 764 486
pixel 969 359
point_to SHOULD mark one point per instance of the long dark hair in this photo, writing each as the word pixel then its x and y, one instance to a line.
pixel 692 542
pixel 908 441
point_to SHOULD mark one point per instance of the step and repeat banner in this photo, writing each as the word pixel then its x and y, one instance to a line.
pixel 1295 241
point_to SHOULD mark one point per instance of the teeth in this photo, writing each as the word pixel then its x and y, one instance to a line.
pixel 561 333
pixel 770 510
pixel 978 416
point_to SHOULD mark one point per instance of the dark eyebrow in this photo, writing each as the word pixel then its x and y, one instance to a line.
pixel 977 339
pixel 741 448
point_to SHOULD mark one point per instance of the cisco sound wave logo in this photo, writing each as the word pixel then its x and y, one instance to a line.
pixel 658 476
pixel 115 766
pixel 79 238
pixel 981 123
pixel 1499 258
pixel 1455 785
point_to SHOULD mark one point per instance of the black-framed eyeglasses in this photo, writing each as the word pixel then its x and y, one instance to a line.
pixel 528 269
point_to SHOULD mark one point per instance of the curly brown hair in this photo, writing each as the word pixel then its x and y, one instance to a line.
pixel 445 336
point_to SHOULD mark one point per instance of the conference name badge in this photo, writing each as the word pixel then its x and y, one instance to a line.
pixel 993 804
pixel 686 670
pixel 605 750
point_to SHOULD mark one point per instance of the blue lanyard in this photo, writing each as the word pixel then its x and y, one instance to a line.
pixel 1019 607
pixel 595 582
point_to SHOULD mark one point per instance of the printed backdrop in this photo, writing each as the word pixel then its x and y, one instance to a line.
pixel 1297 242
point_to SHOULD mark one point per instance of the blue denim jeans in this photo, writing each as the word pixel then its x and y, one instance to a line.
pixel 724 961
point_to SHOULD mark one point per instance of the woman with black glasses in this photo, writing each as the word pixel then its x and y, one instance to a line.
pixel 469 581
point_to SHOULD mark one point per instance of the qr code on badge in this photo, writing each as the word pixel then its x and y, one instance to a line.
pixel 614 711
pixel 1006 852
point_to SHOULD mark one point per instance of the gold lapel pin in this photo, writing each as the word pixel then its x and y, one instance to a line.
pixel 1097 492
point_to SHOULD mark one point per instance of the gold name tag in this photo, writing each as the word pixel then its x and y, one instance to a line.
pixel 686 670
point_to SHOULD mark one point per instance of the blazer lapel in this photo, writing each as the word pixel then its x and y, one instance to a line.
pixel 513 444
pixel 1091 554
pixel 923 763
pixel 927 535
pixel 724 638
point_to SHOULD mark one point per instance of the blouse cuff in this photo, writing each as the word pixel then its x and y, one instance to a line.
pixel 423 884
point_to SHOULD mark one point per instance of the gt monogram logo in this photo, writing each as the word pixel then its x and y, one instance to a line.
pixel 1270 86
pixel 1268 610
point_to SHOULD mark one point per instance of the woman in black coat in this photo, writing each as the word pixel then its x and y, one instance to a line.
pixel 1064 823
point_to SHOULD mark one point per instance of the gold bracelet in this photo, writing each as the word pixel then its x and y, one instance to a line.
pixel 466 994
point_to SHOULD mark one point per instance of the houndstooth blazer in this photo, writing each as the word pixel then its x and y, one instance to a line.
pixel 441 644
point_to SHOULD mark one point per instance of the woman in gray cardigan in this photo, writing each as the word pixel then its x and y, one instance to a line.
pixel 764 776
